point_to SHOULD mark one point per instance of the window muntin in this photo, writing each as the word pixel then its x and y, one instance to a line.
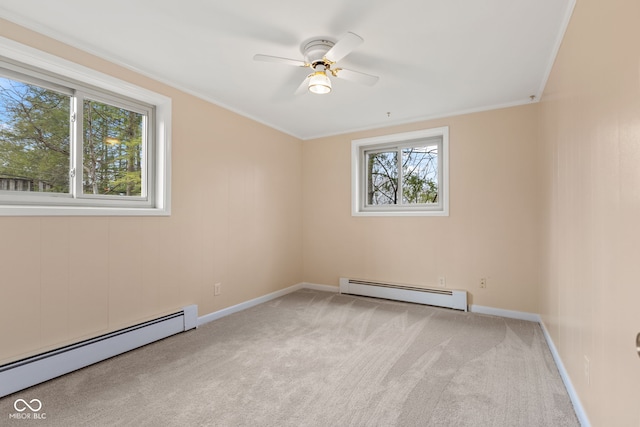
pixel 401 174
pixel 87 147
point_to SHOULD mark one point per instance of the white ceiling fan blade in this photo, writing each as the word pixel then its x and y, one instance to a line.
pixel 356 76
pixel 269 58
pixel 343 47
pixel 304 86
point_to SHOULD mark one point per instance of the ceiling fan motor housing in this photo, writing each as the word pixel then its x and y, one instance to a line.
pixel 315 50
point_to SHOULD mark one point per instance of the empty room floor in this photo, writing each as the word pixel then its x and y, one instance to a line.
pixel 313 358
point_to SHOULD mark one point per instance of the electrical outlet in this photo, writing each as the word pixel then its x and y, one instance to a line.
pixel 483 283
pixel 217 289
pixel 587 374
pixel 442 281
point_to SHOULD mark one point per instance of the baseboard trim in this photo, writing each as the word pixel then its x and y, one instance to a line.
pixel 573 395
pixel 511 314
pixel 247 304
pixel 317 287
pixel 532 317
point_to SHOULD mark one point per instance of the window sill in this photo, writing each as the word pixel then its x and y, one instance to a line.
pixel 400 213
pixel 18 210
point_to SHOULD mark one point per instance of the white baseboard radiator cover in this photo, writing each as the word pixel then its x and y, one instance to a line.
pixel 448 298
pixel 34 370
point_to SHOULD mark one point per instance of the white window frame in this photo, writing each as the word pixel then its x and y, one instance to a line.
pixel 358 170
pixel 103 88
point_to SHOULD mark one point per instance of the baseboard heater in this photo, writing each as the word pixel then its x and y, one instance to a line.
pixel 34 370
pixel 448 298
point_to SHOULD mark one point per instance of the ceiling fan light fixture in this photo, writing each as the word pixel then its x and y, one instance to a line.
pixel 319 83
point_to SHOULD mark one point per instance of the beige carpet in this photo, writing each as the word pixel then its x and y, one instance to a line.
pixel 321 359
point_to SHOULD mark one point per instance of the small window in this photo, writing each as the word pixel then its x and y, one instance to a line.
pixel 401 174
pixel 76 142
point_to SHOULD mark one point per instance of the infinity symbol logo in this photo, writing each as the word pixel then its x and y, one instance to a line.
pixel 21 405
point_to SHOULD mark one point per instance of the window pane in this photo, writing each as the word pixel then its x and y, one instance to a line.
pixel 34 138
pixel 112 149
pixel 382 178
pixel 420 175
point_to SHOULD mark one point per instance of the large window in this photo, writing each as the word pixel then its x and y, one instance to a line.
pixel 76 142
pixel 401 174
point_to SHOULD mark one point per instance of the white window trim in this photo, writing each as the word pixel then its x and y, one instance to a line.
pixel 357 185
pixel 162 164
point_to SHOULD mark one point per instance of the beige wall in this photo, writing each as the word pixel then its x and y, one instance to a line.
pixel 492 230
pixel 545 203
pixel 236 219
pixel 590 115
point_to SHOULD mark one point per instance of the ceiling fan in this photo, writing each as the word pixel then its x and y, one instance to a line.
pixel 321 56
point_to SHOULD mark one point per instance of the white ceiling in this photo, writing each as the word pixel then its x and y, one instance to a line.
pixel 434 57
